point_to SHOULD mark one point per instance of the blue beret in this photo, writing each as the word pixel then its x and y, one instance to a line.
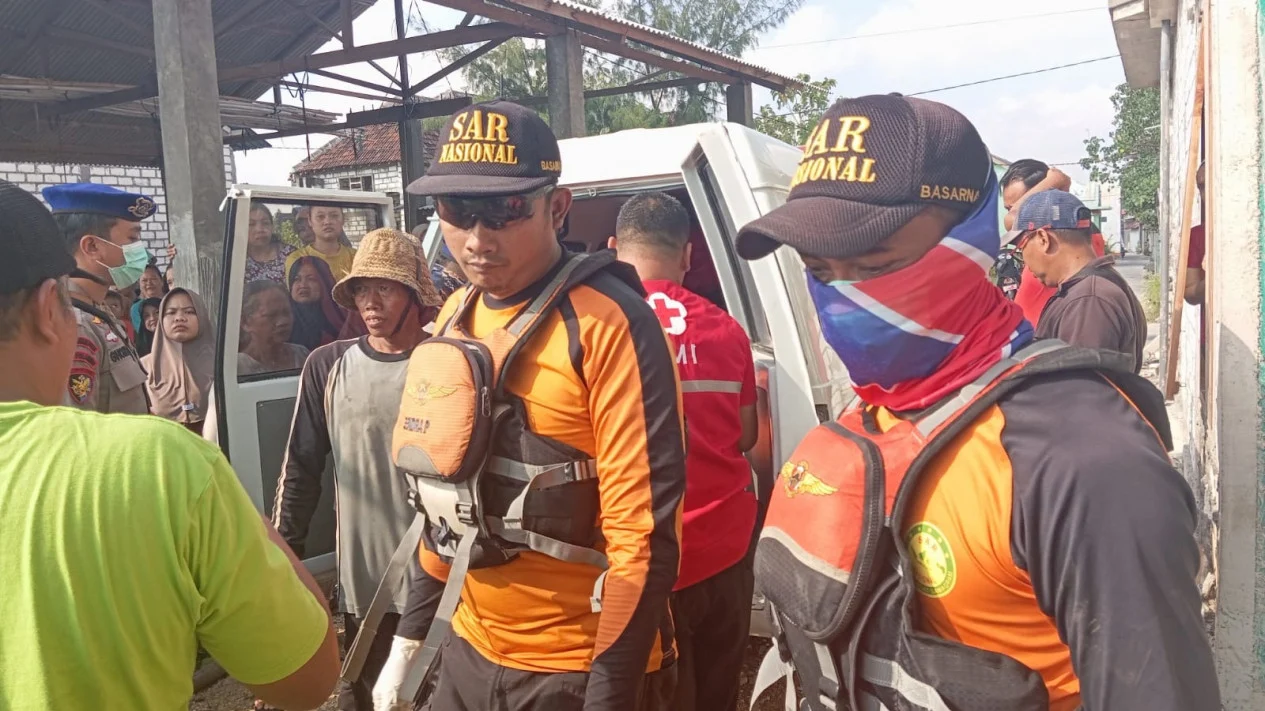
pixel 99 199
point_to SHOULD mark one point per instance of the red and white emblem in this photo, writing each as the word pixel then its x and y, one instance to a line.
pixel 671 312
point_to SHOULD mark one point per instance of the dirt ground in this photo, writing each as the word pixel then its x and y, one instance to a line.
pixel 228 695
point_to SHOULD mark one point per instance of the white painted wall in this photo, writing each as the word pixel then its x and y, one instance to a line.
pixel 387 178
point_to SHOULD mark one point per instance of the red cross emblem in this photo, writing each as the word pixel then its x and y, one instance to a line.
pixel 671 313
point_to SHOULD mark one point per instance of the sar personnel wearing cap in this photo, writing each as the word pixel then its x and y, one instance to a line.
pixel 128 541
pixel 1044 553
pixel 1092 306
pixel 101 226
pixel 571 540
pixel 349 397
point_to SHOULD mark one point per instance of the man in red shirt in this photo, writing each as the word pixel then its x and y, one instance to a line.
pixel 1023 178
pixel 1195 254
pixel 711 602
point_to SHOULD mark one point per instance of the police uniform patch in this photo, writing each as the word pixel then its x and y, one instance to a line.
pixel 935 571
pixel 798 480
pixel 80 386
pixel 86 352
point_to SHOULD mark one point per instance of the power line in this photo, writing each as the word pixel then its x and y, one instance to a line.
pixel 1012 76
pixel 935 28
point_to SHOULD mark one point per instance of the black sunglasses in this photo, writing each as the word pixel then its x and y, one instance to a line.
pixel 494 212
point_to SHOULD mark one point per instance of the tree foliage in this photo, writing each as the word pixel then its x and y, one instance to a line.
pixel 1130 155
pixel 516 69
pixel 794 114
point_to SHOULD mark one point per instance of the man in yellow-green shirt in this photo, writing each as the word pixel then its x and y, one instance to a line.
pixel 126 542
pixel 327 225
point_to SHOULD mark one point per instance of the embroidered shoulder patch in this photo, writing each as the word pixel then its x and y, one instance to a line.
pixel 81 386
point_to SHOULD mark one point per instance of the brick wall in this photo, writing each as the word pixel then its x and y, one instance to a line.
pixel 34 177
pixel 387 178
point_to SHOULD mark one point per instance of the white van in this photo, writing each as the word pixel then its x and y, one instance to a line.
pixel 726 174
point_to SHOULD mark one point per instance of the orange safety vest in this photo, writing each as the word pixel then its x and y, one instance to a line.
pixel 839 581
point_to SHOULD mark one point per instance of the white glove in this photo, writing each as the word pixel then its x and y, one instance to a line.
pixel 386 692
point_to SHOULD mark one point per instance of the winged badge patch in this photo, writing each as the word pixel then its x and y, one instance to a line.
pixel 424 392
pixel 798 480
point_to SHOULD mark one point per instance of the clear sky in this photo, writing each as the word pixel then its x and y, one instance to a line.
pixel 1046 116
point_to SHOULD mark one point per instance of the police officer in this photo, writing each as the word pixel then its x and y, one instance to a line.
pixel 101 226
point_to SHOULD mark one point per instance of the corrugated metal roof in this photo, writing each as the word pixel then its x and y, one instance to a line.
pixel 264 30
pixel 583 12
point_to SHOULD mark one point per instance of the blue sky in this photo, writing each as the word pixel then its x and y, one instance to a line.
pixel 1046 116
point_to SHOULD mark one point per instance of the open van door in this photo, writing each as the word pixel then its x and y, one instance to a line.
pixel 735 175
pixel 254 403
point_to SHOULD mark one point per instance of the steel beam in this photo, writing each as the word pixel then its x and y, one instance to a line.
pixel 353 80
pixel 738 104
pixel 616 90
pixel 364 53
pixel 358 119
pixel 348 17
pixel 340 92
pixel 465 60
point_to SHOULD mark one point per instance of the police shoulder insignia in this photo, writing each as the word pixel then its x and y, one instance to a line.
pixel 80 386
pixel 935 570
pixel 798 480
pixel 424 392
pixel 96 320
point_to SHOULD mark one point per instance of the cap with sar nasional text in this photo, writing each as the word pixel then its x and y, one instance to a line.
pixel 492 149
pixel 872 164
pixel 31 244
pixel 1049 210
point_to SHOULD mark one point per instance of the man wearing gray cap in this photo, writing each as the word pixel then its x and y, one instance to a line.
pixel 128 541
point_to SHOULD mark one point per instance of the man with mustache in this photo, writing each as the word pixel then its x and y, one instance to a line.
pixel 349 397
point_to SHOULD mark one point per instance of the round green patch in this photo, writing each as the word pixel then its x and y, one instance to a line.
pixel 935 571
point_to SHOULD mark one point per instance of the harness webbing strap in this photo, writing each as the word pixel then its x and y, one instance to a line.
pixel 932 421
pixel 771 669
pixel 382 598
pixel 422 666
pixel 870 702
pixel 891 675
pixel 544 299
pixel 564 472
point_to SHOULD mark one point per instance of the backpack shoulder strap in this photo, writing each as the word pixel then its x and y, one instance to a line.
pixel 578 269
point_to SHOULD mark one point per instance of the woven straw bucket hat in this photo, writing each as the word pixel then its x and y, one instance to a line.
pixel 387 254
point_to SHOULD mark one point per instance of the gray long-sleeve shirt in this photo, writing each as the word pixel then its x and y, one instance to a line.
pixel 349 398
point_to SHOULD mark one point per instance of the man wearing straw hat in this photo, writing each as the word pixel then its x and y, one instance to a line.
pixel 349 398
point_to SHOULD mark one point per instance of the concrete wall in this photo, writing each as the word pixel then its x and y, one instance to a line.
pixel 34 177
pixel 1236 399
pixel 1224 455
pixel 387 178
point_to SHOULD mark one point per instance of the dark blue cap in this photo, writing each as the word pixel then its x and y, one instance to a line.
pixel 99 200
pixel 1049 210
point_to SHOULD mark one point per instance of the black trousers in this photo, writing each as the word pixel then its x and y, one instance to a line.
pixel 468 682
pixel 359 696
pixel 713 620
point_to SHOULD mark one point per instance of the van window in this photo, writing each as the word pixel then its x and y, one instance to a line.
pixel 752 306
pixel 295 252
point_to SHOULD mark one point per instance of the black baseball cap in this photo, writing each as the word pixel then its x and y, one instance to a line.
pixel 31 244
pixel 871 165
pixel 492 149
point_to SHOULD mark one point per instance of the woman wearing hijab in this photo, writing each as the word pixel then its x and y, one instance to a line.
pixel 181 366
pixel 149 309
pixel 317 319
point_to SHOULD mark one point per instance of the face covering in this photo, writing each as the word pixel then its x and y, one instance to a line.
pixel 916 335
pixel 135 259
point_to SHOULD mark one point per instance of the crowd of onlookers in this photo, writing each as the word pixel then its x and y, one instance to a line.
pixel 287 306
